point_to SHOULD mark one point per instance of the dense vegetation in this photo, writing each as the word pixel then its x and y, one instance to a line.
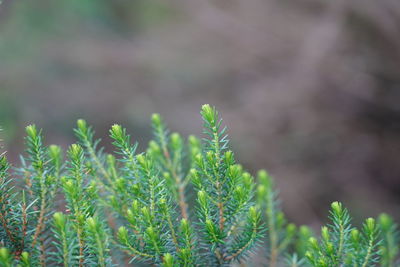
pixel 179 203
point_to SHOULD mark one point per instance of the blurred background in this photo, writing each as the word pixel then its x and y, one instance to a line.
pixel 309 89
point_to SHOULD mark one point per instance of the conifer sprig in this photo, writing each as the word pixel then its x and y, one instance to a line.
pixel 42 167
pixel 98 241
pixel 342 244
pixel 280 233
pixel 139 204
pixel 389 247
pixel 168 150
pixel 66 242
pixel 85 238
pixel 94 155
pixel 224 195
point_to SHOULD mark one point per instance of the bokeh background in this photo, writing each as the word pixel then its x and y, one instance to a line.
pixel 310 89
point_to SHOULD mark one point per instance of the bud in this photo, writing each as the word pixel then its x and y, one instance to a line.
pixel 54 151
pixel 337 207
pixel 280 219
pixel 229 157
pixel 51 179
pixel 309 256
pixel 247 179
pixel 92 223
pixel 210 157
pixel 193 140
pixel 151 233
pixel 122 234
pixel 313 243
pixel 142 161
pixel 253 213
pixel 305 231
pixel 110 160
pixel 209 113
pixel 239 194
pixel 120 183
pixel 184 253
pixel 59 220
pixel 69 186
pixel 176 141
pixel 325 233
pixel 167 177
pixel 82 125
pixel 135 206
pixel 330 248
pixel 154 148
pixel 117 132
pixel 5 256
pixel 202 197
pixel 370 225
pixel 355 235
pixel 75 151
pixel 194 152
pixel 163 205
pixel 31 131
pixel 322 262
pixel 199 160
pixel 261 192
pixel 235 170
pixel 156 120
pixel 168 260
pixel 385 222
pixel 194 177
pixel 184 226
pixel 291 229
pixel 264 178
pixel 80 218
pixel 146 213
pixel 25 258
pixel 130 216
pixel 211 229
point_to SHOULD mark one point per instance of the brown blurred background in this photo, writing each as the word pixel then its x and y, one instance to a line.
pixel 310 89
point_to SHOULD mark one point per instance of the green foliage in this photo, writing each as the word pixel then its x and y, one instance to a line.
pixel 25 214
pixel 228 217
pixel 390 241
pixel 342 244
pixel 280 233
pixel 178 203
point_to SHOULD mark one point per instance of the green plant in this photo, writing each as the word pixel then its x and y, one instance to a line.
pixel 226 224
pixel 280 233
pixel 390 240
pixel 343 245
pixel 179 203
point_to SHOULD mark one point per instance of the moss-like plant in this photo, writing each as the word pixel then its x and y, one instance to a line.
pixel 178 203
pixel 344 245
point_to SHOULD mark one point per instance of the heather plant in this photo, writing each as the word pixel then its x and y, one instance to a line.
pixel 342 244
pixel 389 245
pixel 281 234
pixel 178 203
